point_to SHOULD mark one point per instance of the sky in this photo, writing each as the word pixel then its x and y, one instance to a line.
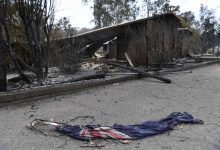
pixel 80 15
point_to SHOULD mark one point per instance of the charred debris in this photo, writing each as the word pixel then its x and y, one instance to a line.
pixel 141 47
pixel 148 44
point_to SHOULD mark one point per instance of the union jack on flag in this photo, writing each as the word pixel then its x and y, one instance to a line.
pixel 103 132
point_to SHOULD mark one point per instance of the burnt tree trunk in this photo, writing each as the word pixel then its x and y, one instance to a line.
pixel 3 79
pixel 12 53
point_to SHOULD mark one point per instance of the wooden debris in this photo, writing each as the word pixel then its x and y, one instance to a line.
pixel 141 73
pixel 129 60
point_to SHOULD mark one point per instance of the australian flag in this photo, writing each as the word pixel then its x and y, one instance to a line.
pixel 128 132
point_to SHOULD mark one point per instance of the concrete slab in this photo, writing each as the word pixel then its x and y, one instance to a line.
pixel 126 103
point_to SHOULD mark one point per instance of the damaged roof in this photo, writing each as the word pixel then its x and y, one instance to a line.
pixel 108 33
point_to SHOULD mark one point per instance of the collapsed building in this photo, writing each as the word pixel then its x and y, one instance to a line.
pixel 148 41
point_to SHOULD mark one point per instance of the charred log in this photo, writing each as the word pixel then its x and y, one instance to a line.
pixel 141 73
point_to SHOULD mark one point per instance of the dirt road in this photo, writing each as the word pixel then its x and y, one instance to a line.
pixel 127 103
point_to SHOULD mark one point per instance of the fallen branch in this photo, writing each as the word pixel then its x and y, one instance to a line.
pixel 27 67
pixel 141 73
pixel 19 78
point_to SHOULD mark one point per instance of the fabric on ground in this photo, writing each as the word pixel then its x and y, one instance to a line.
pixel 132 132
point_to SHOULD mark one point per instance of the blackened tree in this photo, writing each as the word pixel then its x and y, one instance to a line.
pixel 156 7
pixel 65 26
pixel 208 27
pixel 37 18
pixel 8 20
pixel 3 80
pixel 190 17
pixel 112 12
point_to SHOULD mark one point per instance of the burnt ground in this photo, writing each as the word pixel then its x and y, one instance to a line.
pixel 126 103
